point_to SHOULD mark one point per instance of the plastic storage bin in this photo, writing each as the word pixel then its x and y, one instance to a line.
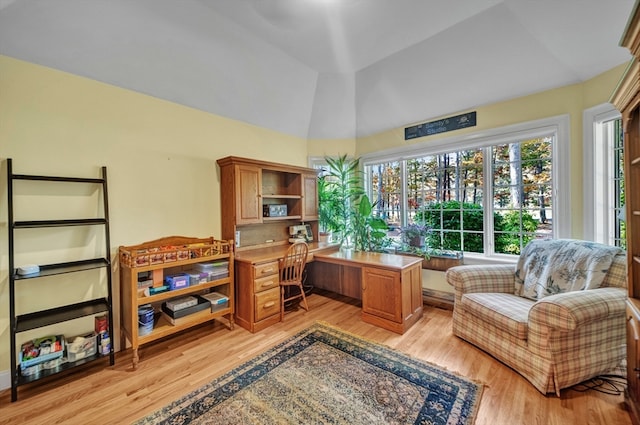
pixel 81 346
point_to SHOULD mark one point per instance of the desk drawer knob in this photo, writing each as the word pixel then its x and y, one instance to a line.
pixel 269 304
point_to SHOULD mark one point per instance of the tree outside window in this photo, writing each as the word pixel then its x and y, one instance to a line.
pixel 446 192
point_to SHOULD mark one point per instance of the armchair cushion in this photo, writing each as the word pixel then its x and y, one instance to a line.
pixel 548 267
pixel 507 312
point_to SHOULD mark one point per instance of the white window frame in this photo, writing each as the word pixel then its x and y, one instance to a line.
pixel 598 222
pixel 557 125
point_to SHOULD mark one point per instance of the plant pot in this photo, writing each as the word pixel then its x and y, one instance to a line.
pixel 324 237
pixel 441 263
pixel 416 241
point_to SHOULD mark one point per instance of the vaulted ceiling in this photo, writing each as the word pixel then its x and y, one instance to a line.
pixel 322 68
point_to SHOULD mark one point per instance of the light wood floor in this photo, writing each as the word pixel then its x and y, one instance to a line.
pixel 172 368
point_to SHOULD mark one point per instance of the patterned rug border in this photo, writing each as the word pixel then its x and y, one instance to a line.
pixel 386 358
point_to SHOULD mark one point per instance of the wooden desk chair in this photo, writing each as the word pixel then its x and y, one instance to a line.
pixel 291 267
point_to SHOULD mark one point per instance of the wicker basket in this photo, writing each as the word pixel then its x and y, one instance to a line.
pixel 171 249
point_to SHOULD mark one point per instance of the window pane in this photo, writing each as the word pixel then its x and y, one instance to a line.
pixel 522 190
pixel 386 190
pixel 617 203
pixel 445 192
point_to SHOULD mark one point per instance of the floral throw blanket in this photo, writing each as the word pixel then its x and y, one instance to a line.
pixel 548 267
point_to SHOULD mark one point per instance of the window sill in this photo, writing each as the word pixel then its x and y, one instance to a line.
pixel 479 259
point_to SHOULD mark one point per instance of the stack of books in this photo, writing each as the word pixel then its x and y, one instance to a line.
pixel 184 309
pixel 179 310
pixel 215 270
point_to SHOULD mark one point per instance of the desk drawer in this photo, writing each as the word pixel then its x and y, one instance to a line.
pixel 267 303
pixel 265 283
pixel 266 269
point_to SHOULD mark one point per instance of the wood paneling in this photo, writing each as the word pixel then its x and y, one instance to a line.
pixel 627 99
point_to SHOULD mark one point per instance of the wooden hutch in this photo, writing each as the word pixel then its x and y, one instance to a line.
pixel 390 286
pixel 627 99
pixel 248 187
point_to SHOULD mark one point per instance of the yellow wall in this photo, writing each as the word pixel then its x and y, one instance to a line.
pixel 571 100
pixel 163 179
pixel 321 148
pixel 160 156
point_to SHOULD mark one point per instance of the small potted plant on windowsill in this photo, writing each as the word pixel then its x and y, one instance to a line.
pixel 414 237
pixel 415 234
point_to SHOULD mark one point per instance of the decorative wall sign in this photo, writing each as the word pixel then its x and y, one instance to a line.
pixel 441 126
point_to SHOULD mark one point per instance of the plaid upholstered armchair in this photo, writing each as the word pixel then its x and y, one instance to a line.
pixel 557 318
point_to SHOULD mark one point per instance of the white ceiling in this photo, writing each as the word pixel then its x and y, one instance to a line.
pixel 322 68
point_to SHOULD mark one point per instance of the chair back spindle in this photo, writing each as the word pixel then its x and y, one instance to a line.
pixel 291 268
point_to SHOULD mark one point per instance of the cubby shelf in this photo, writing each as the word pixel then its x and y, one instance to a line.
pixel 136 260
pixel 68 267
pixel 52 316
pixel 62 368
pixel 33 224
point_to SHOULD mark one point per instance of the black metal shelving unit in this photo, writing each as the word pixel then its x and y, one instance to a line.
pixel 37 319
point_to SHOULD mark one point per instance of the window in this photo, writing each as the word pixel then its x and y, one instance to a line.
pixel 604 176
pixel 486 196
pixel 445 192
pixel 386 194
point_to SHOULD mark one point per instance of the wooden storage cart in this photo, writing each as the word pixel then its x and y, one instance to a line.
pixel 162 257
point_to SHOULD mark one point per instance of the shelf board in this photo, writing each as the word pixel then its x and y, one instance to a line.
pixel 38 319
pixel 173 264
pixel 288 217
pixel 275 196
pixel 58 223
pixel 69 267
pixel 163 328
pixel 184 291
pixel 22 380
pixel 57 179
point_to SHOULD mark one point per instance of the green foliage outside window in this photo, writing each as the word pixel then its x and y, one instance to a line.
pixel 513 238
pixel 445 218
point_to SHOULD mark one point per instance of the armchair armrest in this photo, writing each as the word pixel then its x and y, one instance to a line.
pixel 568 311
pixel 482 278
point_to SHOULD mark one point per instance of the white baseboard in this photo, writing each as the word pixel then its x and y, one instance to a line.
pixel 5 379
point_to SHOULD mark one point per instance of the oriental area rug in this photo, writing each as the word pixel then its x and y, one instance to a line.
pixel 324 375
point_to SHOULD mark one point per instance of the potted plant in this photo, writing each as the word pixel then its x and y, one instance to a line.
pixel 415 234
pixel 369 232
pixel 327 219
pixel 343 186
pixel 416 242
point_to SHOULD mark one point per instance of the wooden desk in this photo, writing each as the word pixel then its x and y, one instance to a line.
pixel 390 286
pixel 258 285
